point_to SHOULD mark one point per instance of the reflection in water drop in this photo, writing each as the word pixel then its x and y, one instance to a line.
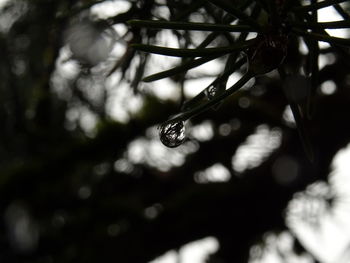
pixel 172 134
pixel 210 92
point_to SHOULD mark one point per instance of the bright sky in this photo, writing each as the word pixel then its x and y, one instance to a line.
pixel 2 2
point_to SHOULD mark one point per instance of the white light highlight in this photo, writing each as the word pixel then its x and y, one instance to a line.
pixel 256 148
pixel 214 174
pixel 194 252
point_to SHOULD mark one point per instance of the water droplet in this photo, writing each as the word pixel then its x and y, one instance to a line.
pixel 172 134
pixel 210 92
pixel 213 91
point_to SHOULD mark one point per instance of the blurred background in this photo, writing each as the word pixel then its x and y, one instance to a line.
pixel 85 178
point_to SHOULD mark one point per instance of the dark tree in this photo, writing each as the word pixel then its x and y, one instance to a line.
pixel 83 174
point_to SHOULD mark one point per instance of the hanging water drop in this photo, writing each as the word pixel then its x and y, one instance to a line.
pixel 172 134
pixel 211 92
